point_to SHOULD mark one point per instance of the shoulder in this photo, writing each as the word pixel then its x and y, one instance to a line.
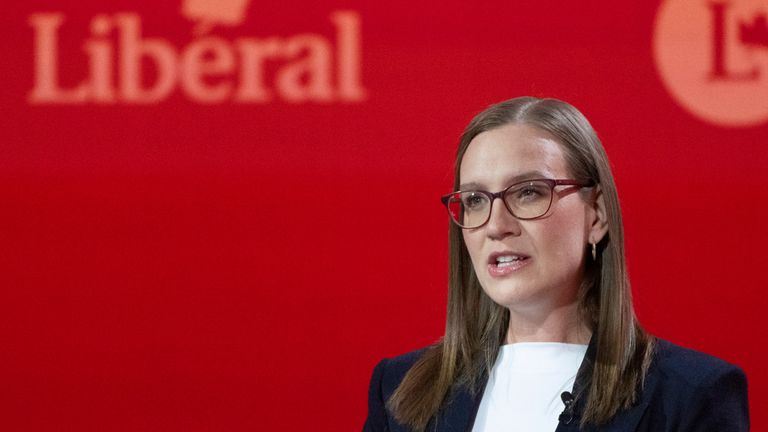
pixel 391 371
pixel 690 390
pixel 689 368
pixel 385 379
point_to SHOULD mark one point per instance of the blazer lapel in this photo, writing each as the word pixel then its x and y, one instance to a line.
pixel 571 416
pixel 458 414
pixel 632 418
pixel 624 421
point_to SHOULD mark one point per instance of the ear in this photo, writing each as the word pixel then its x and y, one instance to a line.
pixel 599 223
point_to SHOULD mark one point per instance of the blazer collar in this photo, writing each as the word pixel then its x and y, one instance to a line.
pixel 571 415
pixel 459 412
pixel 625 420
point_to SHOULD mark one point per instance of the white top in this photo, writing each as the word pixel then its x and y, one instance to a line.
pixel 524 387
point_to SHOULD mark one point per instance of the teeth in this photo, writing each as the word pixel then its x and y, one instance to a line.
pixel 507 258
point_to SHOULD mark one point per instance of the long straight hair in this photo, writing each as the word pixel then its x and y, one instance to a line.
pixel 476 326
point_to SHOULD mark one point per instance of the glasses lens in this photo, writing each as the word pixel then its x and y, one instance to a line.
pixel 469 209
pixel 529 200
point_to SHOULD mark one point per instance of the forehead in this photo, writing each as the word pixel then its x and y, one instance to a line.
pixel 499 156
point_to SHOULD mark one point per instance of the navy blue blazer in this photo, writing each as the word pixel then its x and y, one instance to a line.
pixel 684 391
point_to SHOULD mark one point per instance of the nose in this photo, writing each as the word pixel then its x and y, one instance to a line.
pixel 501 223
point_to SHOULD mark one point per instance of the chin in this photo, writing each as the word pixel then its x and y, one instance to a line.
pixel 508 295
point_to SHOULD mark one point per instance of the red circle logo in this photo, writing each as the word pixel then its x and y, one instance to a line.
pixel 713 58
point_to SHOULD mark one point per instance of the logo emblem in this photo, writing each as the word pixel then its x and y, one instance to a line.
pixel 713 58
pixel 208 13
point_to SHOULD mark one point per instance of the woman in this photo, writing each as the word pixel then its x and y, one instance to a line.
pixel 540 333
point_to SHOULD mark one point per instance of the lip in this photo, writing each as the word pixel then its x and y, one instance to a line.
pixel 496 271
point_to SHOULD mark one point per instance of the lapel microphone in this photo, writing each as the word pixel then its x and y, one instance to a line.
pixel 566 416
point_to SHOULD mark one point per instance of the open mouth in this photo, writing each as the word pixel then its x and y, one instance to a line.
pixel 500 264
pixel 506 259
pixel 509 260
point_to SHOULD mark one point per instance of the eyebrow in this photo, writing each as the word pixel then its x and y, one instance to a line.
pixel 528 175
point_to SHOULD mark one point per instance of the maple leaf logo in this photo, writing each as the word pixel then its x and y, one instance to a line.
pixel 209 13
pixel 755 33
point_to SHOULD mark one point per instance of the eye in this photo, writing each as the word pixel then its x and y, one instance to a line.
pixel 474 200
pixel 529 192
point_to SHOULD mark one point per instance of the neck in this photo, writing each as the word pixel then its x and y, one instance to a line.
pixel 560 324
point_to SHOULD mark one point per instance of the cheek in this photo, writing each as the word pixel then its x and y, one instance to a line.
pixel 564 239
pixel 473 243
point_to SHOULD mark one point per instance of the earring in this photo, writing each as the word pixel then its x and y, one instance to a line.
pixel 594 252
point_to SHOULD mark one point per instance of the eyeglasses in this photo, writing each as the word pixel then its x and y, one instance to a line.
pixel 526 200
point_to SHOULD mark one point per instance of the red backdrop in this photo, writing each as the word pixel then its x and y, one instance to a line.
pixel 236 250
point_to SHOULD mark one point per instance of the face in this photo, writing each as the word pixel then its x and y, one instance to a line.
pixel 544 257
